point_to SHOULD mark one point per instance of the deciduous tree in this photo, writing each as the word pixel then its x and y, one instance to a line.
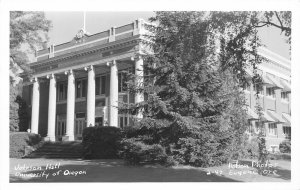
pixel 28 31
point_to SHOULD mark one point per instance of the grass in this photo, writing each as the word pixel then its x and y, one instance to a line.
pixel 118 171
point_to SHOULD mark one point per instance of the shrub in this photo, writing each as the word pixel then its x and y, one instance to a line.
pixel 252 148
pixel 248 148
pixel 196 152
pixel 285 147
pixel 280 156
pixel 101 142
pixel 19 141
pixel 138 153
pixel 179 144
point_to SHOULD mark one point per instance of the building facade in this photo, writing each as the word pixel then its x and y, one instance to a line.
pixel 80 84
pixel 274 98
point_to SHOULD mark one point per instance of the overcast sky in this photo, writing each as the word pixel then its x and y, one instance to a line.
pixel 67 24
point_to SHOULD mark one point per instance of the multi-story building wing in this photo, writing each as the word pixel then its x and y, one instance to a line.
pixel 274 98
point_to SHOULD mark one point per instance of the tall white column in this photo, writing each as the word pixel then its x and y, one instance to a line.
pixel 139 73
pixel 35 106
pixel 70 105
pixel 90 96
pixel 113 95
pixel 51 108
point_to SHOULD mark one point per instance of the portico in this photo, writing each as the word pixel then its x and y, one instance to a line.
pixel 84 82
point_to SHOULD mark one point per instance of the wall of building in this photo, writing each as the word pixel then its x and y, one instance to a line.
pixel 279 71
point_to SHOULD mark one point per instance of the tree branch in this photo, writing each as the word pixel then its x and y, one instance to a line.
pixel 283 28
pixel 278 19
pixel 258 26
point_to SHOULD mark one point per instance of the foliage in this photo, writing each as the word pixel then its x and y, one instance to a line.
pixel 14 116
pixel 252 148
pixel 22 114
pixel 278 19
pixel 285 147
pixel 28 30
pixel 13 110
pixel 18 142
pixel 280 156
pixel 137 153
pixel 194 104
pixel 263 153
pixel 101 142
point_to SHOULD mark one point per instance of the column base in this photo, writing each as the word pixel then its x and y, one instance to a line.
pixel 50 138
pixel 68 138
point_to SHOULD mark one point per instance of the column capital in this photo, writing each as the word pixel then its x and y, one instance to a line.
pixel 50 76
pixel 33 79
pixel 69 72
pixel 89 68
pixel 137 56
pixel 112 63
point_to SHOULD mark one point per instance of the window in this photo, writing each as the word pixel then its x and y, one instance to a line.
pixel 250 128
pixel 258 88
pixel 99 121
pixel 100 103
pixel 271 92
pixel 123 121
pixel 80 88
pixel 80 115
pixel 122 82
pixel 284 96
pixel 62 91
pixel 122 86
pixel 258 128
pixel 100 85
pixel 287 131
pixel 272 129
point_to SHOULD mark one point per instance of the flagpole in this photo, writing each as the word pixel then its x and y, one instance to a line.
pixel 84 15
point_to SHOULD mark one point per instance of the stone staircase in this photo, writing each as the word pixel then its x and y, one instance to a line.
pixel 62 150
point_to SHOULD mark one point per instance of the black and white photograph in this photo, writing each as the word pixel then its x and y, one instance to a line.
pixel 160 96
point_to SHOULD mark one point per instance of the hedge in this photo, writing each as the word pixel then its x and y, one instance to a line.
pixel 101 142
pixel 21 140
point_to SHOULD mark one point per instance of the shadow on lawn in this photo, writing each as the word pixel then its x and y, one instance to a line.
pixel 117 171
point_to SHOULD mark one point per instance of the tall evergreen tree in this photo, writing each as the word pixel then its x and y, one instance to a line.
pixel 194 104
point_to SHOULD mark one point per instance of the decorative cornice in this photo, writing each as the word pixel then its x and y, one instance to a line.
pixel 101 48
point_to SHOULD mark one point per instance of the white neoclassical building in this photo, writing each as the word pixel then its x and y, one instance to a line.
pixel 80 83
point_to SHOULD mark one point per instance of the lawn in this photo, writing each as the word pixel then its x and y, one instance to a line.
pixel 57 170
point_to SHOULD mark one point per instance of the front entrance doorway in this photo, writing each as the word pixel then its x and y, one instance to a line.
pixel 60 126
pixel 80 124
pixel 99 121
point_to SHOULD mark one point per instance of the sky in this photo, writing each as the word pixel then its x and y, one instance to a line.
pixel 67 24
